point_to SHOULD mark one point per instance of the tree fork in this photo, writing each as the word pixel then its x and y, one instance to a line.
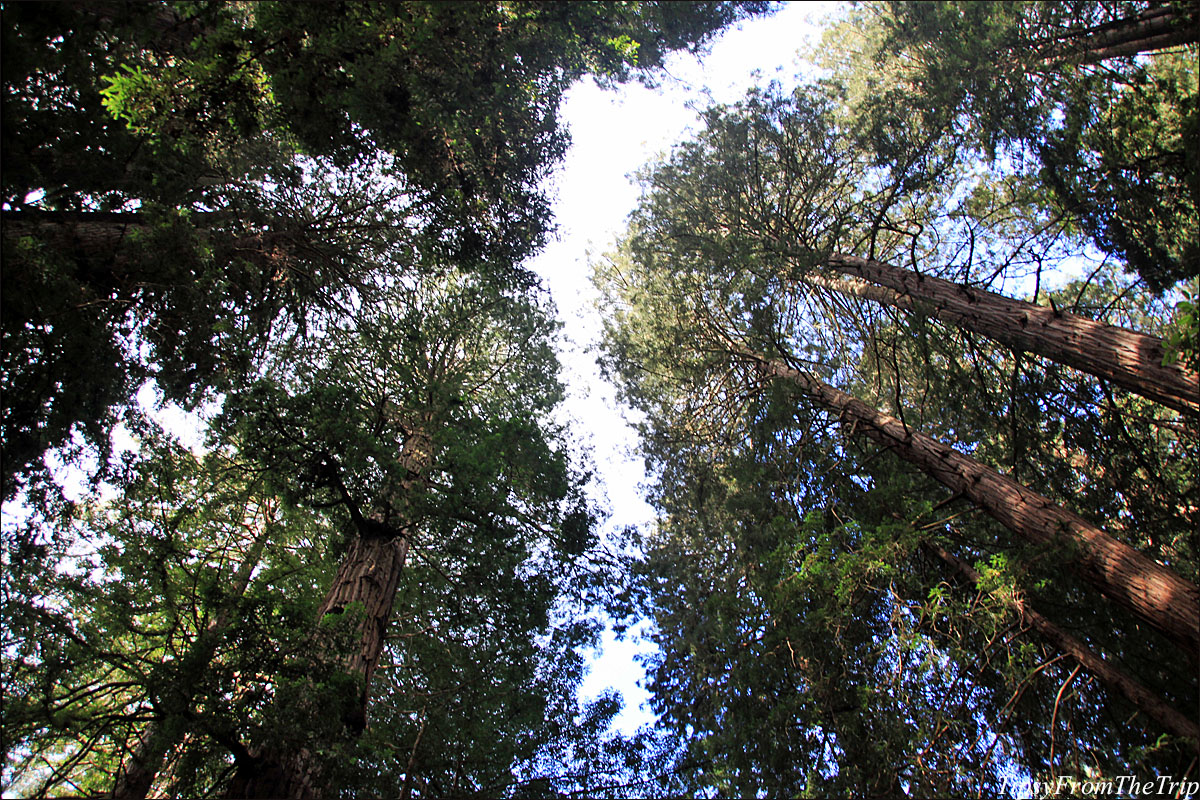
pixel 1150 591
pixel 1127 358
pixel 368 577
pixel 1115 679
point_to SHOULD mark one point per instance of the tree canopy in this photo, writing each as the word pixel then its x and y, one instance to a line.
pixel 190 179
pixel 842 604
pixel 912 351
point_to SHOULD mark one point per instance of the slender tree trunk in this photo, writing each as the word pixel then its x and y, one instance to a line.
pixel 1150 591
pixel 365 584
pixel 1127 358
pixel 138 773
pixel 1113 678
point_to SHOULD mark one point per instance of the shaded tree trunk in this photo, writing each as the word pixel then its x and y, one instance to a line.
pixel 1127 358
pixel 365 585
pixel 96 240
pixel 1115 679
pixel 1147 589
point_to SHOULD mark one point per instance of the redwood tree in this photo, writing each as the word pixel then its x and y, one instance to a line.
pixel 423 417
pixel 683 344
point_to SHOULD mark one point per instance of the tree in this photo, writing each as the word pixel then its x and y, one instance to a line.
pixel 159 737
pixel 190 182
pixel 130 620
pixel 723 331
pixel 718 308
pixel 422 418
pixel 468 668
pixel 706 402
pixel 1132 360
pixel 210 193
pixel 1156 594
pixel 772 199
pixel 1161 712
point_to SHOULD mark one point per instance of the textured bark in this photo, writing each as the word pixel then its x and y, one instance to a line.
pixel 1151 30
pixel 367 580
pixel 1127 358
pixel 366 584
pixel 276 777
pixel 1152 592
pixel 98 238
pixel 1114 679
pixel 138 773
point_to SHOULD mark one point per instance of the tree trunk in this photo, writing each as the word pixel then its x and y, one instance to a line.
pixel 1152 29
pixel 138 773
pixel 98 240
pixel 365 584
pixel 1113 678
pixel 367 581
pixel 1127 358
pixel 1150 591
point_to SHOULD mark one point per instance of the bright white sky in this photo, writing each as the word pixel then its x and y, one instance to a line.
pixel 613 134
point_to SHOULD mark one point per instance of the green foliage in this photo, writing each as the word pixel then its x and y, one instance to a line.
pixel 267 164
pixel 317 215
pixel 1137 139
pixel 813 642
pixel 1182 340
pixel 133 614
pixel 1031 88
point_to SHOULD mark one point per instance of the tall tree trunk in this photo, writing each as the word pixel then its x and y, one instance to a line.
pixel 1127 358
pixel 366 582
pixel 1114 679
pixel 138 773
pixel 1150 591
pixel 99 241
pixel 1150 30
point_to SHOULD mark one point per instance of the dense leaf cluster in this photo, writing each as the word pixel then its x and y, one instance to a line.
pixel 374 576
pixel 831 620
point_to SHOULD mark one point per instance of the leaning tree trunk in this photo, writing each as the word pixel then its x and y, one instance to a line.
pixel 1109 674
pixel 1127 358
pixel 1150 30
pixel 138 773
pixel 101 242
pixel 1150 591
pixel 366 582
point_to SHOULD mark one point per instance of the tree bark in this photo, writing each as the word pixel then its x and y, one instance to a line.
pixel 1147 589
pixel 99 235
pixel 1127 358
pixel 365 584
pixel 138 773
pixel 1113 678
pixel 1152 29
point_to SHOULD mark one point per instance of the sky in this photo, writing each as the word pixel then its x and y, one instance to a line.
pixel 614 133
